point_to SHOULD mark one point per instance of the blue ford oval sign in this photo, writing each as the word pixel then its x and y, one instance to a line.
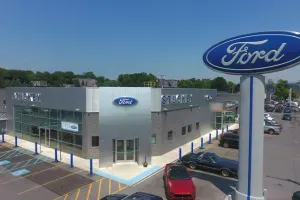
pixel 125 101
pixel 255 53
pixel 74 127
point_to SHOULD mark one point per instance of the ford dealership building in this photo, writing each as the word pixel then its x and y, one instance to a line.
pixel 113 124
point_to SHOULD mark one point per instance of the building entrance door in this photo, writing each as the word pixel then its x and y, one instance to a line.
pixel 125 150
pixel 44 135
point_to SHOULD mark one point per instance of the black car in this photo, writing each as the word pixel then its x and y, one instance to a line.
pixel 229 140
pixel 287 116
pixel 279 109
pixel 296 196
pixel 208 161
pixel 135 196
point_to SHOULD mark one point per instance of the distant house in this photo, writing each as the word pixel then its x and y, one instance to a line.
pixel 39 83
pixel 85 82
pixel 171 83
pixel 68 85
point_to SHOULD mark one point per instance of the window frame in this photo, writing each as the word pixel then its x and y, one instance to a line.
pixel 153 136
pixel 92 141
pixel 183 130
pixel 168 138
pixel 190 128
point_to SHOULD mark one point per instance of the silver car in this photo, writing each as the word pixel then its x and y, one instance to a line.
pixel 272 128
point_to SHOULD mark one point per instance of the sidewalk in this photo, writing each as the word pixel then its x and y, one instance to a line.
pixel 128 174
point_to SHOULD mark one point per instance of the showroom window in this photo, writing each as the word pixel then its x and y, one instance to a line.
pixel 189 128
pixel 197 126
pixel 153 139
pixel 170 135
pixel 95 141
pixel 183 130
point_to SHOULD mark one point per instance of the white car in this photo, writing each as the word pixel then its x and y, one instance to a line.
pixel 268 116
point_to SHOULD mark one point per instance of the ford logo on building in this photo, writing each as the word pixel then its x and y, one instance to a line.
pixel 125 101
pixel 73 127
pixel 255 53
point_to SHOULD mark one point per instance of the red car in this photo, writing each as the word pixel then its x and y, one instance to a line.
pixel 178 183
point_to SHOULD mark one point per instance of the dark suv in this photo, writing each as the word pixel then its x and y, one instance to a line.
pixel 229 140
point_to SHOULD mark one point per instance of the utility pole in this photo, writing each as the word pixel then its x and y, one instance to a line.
pixel 162 81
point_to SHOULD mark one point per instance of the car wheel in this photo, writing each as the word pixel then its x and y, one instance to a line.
pixel 271 132
pixel 192 165
pixel 225 173
pixel 225 145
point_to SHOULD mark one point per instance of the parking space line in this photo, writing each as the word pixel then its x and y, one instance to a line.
pixel 33 188
pixel 4 153
pixel 67 197
pixel 120 189
pixel 109 186
pixel 79 188
pixel 77 194
pixel 89 192
pixel 99 189
pixel 13 164
pixel 34 173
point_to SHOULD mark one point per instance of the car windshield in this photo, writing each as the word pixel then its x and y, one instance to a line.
pixel 215 158
pixel 178 173
pixel 137 197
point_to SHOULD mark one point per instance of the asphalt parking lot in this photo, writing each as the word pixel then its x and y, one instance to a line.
pixel 27 176
pixel 281 168
pixel 209 186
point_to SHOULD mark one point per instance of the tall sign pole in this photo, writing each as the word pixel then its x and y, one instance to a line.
pixel 251 56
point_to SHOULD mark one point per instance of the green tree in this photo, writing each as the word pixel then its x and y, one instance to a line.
pixel 219 83
pixel 231 87
pixel 135 80
pixel 282 89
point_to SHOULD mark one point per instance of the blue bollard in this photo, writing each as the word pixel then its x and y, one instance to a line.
pixel 35 149
pixel 16 141
pixel 91 166
pixel 55 155
pixel 180 154
pixel 217 134
pixel 192 147
pixel 71 160
pixel 3 137
pixel 209 139
pixel 227 129
pixel 202 146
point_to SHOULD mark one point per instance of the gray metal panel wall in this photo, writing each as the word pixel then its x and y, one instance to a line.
pixel 56 98
pixel 180 115
pixel 90 128
pixel 157 130
pixel 155 99
pixel 123 123
pixel 197 99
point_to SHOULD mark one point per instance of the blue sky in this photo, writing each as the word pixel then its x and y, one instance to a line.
pixel 110 37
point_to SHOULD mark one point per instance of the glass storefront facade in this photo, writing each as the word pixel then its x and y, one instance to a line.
pixel 43 125
pixel 225 118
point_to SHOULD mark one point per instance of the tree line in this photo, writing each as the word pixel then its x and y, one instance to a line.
pixel 24 78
